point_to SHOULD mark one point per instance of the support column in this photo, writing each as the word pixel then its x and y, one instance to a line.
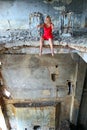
pixel 78 90
pixel 2 121
pixel 11 112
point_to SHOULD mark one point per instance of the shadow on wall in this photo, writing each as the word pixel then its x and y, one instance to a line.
pixel 36 127
pixel 78 127
pixel 35 19
pixel 67 125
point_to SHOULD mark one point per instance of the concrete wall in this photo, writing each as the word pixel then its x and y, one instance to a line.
pixel 80 78
pixel 25 15
pixel 31 76
pixel 82 119
pixel 34 78
pixel 2 120
pixel 15 14
pixel 39 116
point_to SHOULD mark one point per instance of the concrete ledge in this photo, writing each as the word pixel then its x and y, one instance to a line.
pixel 79 43
pixel 11 101
pixel 63 45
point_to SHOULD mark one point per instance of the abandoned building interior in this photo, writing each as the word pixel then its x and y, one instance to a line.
pixel 43 92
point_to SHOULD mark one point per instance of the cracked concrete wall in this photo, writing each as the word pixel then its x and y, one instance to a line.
pixel 81 73
pixel 82 119
pixel 18 21
pixel 31 78
pixel 39 116
pixel 15 14
pixel 30 74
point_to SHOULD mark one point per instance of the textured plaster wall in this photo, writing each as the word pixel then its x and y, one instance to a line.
pixel 18 21
pixel 83 105
pixel 2 120
pixel 39 116
pixel 15 14
pixel 81 72
pixel 31 76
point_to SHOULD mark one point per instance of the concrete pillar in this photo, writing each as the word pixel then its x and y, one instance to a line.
pixel 78 90
pixel 2 121
pixel 11 116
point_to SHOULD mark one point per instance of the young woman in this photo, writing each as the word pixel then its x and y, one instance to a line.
pixel 47 35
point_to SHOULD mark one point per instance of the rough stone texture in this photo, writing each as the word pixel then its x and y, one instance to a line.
pixel 21 25
pixel 2 125
pixel 42 116
pixel 15 14
pixel 11 114
pixel 31 78
pixel 31 73
pixel 65 125
pixel 21 37
pixel 82 119
pixel 18 28
pixel 79 87
pixel 19 42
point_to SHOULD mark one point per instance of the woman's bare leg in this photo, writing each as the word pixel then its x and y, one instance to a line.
pixel 51 46
pixel 41 45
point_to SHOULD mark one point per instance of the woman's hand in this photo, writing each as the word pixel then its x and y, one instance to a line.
pixel 40 26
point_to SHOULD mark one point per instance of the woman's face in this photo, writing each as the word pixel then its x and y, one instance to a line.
pixel 47 20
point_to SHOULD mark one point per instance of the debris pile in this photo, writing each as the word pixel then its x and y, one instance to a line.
pixel 65 125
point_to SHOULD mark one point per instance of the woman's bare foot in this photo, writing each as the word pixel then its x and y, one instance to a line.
pixel 40 54
pixel 52 54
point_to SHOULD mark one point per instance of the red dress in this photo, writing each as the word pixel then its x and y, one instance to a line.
pixel 47 32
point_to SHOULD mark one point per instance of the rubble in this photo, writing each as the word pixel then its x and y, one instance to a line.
pixel 65 125
pixel 17 40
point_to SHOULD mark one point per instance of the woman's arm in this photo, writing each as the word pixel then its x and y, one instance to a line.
pixel 52 26
pixel 40 26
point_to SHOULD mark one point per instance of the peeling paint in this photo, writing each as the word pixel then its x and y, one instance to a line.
pixel 46 92
pixel 62 8
pixel 30 117
pixel 67 1
pixel 63 1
